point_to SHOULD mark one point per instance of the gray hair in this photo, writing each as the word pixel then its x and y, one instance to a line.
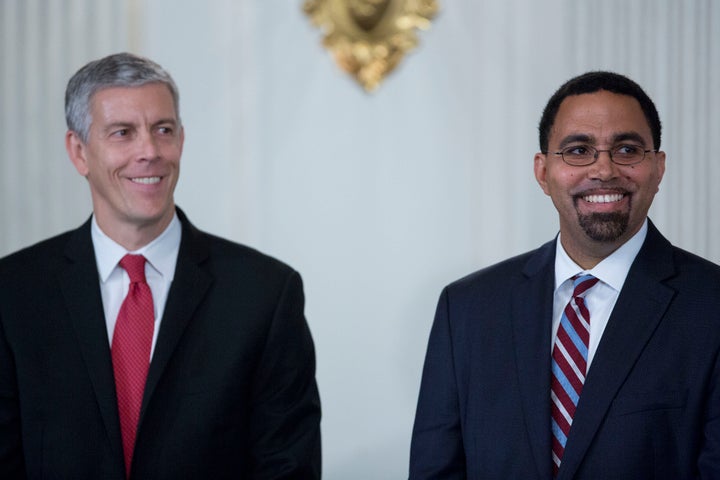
pixel 118 70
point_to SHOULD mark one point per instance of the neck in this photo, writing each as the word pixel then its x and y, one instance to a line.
pixel 134 235
pixel 590 253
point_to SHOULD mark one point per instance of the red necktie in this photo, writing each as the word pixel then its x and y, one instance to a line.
pixel 569 365
pixel 131 344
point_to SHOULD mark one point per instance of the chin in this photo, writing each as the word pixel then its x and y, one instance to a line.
pixel 604 227
pixel 151 217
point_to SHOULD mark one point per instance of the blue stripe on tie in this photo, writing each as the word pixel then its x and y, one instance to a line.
pixel 565 383
pixel 557 431
pixel 572 333
pixel 582 279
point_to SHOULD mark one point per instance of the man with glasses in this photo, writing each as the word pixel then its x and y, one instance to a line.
pixel 596 355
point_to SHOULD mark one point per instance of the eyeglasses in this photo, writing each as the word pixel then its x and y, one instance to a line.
pixel 584 155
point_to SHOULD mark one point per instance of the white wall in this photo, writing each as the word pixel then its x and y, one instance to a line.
pixel 378 200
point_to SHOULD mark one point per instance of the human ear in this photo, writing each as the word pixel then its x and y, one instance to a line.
pixel 540 168
pixel 76 151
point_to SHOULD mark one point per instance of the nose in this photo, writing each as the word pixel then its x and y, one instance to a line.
pixel 147 147
pixel 603 168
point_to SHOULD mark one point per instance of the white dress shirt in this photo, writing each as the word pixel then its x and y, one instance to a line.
pixel 600 299
pixel 161 255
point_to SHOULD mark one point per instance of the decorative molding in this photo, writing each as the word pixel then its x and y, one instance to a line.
pixel 369 38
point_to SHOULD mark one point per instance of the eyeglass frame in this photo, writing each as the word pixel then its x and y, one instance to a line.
pixel 598 152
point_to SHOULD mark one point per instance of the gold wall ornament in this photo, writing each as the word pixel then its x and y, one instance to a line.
pixel 369 38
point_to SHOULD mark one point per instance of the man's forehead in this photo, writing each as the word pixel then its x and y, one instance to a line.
pixel 123 100
pixel 600 114
pixel 111 92
pixel 598 100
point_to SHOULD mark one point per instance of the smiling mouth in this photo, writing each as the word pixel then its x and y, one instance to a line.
pixel 146 180
pixel 608 198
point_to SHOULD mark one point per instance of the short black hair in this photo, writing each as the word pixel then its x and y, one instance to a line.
pixel 591 82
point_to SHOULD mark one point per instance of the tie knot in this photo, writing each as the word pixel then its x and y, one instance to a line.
pixel 583 283
pixel 134 265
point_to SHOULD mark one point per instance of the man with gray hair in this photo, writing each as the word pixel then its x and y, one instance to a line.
pixel 138 346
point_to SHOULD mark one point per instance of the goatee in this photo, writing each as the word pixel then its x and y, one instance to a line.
pixel 604 227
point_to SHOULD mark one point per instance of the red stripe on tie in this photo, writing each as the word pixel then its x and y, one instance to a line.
pixel 575 355
pixel 572 317
pixel 576 322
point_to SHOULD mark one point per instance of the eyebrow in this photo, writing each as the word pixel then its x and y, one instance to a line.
pixel 115 125
pixel 590 140
pixel 625 136
pixel 165 121
pixel 576 138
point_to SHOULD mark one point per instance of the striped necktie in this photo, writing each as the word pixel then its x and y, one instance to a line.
pixel 569 365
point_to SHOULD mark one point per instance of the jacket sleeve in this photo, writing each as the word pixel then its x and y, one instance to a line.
pixel 11 453
pixel 285 410
pixel 709 460
pixel 436 451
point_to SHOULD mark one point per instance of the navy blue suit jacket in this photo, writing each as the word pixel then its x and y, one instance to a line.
pixel 231 388
pixel 650 407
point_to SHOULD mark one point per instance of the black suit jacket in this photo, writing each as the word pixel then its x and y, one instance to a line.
pixel 231 389
pixel 650 407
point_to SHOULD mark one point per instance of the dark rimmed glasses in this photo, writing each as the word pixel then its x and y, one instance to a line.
pixel 584 155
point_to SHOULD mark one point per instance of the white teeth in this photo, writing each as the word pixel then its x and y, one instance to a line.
pixel 615 197
pixel 146 180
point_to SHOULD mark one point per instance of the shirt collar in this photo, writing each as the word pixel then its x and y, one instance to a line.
pixel 612 270
pixel 161 253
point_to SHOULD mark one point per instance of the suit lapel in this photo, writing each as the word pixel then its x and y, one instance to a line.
pixel 190 284
pixel 636 315
pixel 79 283
pixel 532 316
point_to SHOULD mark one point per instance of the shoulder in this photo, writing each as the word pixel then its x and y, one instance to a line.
pixel 694 273
pixel 504 275
pixel 686 283
pixel 40 259
pixel 226 256
pixel 232 254
pixel 658 258
pixel 687 261
pixel 233 266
